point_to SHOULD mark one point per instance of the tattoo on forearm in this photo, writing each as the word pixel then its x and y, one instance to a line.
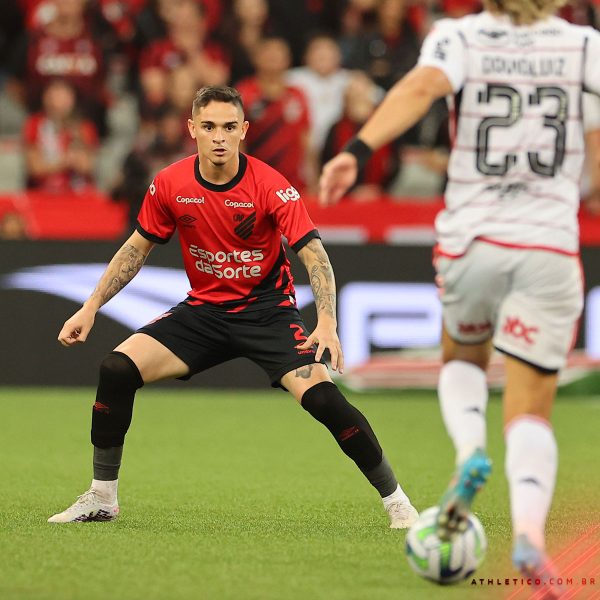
pixel 122 269
pixel 322 280
pixel 304 372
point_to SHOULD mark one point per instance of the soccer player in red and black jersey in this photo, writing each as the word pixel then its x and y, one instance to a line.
pixel 230 211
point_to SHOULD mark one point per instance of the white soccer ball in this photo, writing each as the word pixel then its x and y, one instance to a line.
pixel 444 562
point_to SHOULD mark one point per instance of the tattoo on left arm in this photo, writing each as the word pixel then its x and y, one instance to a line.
pixel 322 280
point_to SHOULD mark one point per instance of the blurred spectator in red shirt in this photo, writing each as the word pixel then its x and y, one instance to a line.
pixel 185 44
pixel 360 100
pixel 582 12
pixel 170 143
pixel 460 8
pixel 60 147
pixel 279 116
pixel 323 82
pixel 121 15
pixel 247 22
pixel 297 20
pixel 151 21
pixel 387 52
pixel 63 47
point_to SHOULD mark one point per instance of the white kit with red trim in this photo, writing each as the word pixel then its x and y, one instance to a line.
pixel 518 151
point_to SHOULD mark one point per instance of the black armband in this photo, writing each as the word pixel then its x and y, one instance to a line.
pixel 361 151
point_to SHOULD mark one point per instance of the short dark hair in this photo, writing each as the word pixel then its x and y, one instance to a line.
pixel 216 93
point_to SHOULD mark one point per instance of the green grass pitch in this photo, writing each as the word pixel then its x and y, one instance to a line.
pixel 241 495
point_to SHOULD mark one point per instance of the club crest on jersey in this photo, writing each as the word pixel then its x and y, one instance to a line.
pixel 289 194
pixel 246 226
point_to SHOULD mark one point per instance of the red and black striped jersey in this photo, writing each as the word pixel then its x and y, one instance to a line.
pixel 278 128
pixel 230 234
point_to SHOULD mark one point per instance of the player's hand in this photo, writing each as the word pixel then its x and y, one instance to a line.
pixel 326 338
pixel 338 176
pixel 77 328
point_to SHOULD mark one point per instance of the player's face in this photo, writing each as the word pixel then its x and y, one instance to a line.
pixel 218 129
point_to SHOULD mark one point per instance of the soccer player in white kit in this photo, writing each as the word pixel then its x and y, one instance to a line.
pixel 507 252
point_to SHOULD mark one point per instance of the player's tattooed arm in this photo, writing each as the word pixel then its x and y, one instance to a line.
pixel 322 279
pixel 322 282
pixel 123 267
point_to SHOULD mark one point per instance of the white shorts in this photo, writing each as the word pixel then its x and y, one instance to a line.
pixel 528 301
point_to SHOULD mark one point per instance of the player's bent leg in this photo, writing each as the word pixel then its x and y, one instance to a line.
pixel 531 461
pixel 153 360
pixel 319 396
pixel 463 395
pixel 138 360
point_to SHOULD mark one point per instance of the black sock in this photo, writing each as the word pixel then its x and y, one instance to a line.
pixel 382 478
pixel 107 462
pixel 352 431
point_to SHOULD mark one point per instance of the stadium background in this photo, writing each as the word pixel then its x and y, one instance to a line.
pixel 299 523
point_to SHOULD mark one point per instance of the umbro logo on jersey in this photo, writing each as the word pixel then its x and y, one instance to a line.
pixel 187 220
pixel 246 227
pixel 288 194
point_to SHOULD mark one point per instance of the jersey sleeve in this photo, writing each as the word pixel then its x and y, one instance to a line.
pixel 284 204
pixel 155 222
pixel 445 48
pixel 591 71
pixel 591 112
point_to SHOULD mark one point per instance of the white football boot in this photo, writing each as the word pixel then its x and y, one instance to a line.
pixel 90 506
pixel 402 514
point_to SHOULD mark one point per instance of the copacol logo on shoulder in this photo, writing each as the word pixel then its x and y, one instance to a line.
pixel 223 265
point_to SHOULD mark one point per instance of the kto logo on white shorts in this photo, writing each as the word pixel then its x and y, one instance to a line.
pixel 234 204
pixel 290 193
pixel 184 200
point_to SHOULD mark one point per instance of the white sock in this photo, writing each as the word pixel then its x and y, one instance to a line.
pixel 531 462
pixel 397 495
pixel 463 394
pixel 106 489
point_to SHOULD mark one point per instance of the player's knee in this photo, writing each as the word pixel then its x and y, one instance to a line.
pixel 324 400
pixel 119 372
pixel 111 415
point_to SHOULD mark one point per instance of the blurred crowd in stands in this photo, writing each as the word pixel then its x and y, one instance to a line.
pixel 96 93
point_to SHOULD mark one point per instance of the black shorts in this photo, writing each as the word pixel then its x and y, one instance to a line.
pixel 203 337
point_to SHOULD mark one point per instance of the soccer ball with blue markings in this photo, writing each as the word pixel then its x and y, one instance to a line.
pixel 444 562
